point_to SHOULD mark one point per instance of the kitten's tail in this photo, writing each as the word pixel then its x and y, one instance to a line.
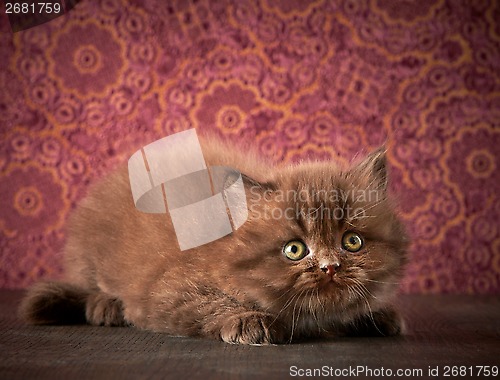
pixel 53 302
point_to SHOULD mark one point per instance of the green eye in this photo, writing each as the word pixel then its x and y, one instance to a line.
pixel 352 241
pixel 295 250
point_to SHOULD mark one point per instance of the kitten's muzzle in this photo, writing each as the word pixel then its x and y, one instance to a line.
pixel 330 269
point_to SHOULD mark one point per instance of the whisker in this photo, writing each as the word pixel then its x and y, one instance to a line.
pixel 383 282
pixel 365 209
pixel 293 315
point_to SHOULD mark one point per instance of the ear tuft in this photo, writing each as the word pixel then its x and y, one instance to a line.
pixel 375 166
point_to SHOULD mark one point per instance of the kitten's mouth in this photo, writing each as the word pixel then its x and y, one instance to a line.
pixel 330 281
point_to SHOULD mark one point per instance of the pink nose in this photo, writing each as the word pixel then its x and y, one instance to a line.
pixel 330 269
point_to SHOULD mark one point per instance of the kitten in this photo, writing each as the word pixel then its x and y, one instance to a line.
pixel 320 255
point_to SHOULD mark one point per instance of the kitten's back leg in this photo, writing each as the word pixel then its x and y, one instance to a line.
pixel 53 302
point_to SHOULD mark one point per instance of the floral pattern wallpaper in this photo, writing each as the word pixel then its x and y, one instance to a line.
pixel 299 79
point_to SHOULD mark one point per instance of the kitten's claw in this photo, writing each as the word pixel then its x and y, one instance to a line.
pixel 103 310
pixel 252 328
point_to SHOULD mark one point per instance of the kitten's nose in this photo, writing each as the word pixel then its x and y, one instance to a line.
pixel 330 269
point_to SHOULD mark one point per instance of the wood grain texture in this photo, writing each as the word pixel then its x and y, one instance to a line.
pixel 441 330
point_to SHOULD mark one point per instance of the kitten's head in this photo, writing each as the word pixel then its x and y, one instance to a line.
pixel 320 241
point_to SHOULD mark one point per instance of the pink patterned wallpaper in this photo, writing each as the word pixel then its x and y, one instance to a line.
pixel 322 79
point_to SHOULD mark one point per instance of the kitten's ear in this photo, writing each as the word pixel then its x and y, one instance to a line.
pixel 375 167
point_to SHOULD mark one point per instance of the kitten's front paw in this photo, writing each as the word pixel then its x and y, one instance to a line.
pixel 252 328
pixel 103 310
pixel 385 322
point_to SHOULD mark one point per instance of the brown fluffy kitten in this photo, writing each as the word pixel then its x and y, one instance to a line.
pixel 295 269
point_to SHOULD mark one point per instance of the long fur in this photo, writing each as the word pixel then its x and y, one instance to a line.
pixel 124 267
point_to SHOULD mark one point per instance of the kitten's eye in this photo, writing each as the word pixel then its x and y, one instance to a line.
pixel 352 241
pixel 295 250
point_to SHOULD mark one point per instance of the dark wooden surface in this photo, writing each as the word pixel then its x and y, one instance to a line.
pixel 442 331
